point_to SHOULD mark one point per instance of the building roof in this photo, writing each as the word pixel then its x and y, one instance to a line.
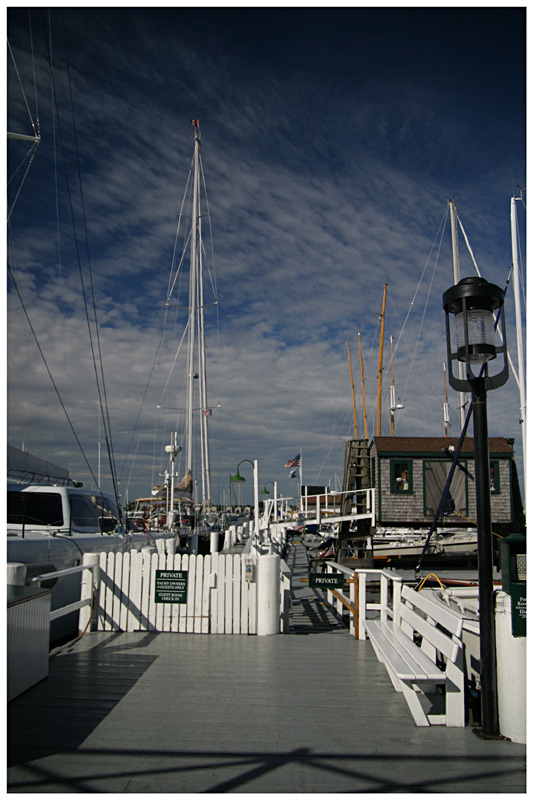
pixel 437 444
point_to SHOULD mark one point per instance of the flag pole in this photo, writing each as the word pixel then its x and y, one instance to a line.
pixel 301 482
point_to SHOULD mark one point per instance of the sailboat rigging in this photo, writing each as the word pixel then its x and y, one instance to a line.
pixel 194 412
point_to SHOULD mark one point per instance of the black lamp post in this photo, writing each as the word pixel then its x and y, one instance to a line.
pixel 472 302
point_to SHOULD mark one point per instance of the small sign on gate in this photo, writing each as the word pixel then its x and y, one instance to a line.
pixel 326 580
pixel 170 586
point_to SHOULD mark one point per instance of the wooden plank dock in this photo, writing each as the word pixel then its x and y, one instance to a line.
pixel 309 711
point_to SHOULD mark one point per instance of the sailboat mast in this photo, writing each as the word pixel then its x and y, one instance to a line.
pixel 380 369
pixel 353 391
pixel 456 279
pixel 193 304
pixel 206 481
pixel 519 339
pixel 392 403
pixel 362 382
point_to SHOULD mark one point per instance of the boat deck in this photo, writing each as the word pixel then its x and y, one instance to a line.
pixel 309 711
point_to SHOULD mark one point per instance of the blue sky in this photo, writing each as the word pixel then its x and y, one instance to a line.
pixel 332 140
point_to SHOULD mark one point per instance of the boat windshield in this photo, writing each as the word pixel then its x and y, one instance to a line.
pixel 88 511
pixel 34 508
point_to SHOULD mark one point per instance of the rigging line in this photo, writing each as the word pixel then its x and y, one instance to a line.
pixel 22 88
pixel 175 359
pixel 421 326
pixel 172 281
pixel 50 376
pixel 172 285
pixel 140 411
pixel 468 244
pixel 212 277
pixel 84 217
pixel 31 155
pixel 103 408
pixel 142 402
pixel 441 228
pixel 511 364
pixel 37 121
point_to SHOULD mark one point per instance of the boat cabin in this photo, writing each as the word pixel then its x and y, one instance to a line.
pixel 410 473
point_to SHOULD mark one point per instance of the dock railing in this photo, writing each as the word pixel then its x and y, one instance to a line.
pixel 89 586
pixel 358 602
pixel 325 507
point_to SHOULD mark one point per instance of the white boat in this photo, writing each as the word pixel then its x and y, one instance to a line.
pixel 51 527
pixel 444 543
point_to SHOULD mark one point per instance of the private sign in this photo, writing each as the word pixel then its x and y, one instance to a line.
pixel 319 580
pixel 170 586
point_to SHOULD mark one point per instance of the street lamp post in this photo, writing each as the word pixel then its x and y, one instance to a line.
pixel 473 302
pixel 265 492
pixel 238 478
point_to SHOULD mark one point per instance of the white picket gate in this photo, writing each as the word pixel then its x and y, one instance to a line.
pixel 220 598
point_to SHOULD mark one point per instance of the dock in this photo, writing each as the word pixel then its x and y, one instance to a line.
pixel 309 711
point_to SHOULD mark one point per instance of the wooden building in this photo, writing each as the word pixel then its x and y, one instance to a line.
pixel 410 473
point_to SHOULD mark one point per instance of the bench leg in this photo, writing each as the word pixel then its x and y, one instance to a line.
pixel 415 707
pixel 455 705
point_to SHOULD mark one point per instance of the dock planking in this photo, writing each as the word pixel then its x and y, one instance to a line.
pixel 163 712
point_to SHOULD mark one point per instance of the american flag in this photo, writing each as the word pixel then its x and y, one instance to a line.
pixel 329 553
pixel 293 462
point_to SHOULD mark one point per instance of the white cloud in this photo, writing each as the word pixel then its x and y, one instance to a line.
pixel 320 192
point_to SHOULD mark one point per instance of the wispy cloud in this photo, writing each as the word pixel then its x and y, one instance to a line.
pixel 327 177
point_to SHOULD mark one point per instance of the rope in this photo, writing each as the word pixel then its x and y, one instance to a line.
pixel 50 374
pixel 99 377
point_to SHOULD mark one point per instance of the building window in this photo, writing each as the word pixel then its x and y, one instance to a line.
pixel 495 477
pixel 401 476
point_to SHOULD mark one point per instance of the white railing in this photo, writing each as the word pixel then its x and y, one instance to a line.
pixel 86 597
pixel 326 506
pixel 354 601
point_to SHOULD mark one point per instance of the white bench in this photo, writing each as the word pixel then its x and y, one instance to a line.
pixel 419 667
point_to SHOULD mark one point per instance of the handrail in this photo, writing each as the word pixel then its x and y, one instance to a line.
pixel 59 573
pixel 86 601
pixel 357 602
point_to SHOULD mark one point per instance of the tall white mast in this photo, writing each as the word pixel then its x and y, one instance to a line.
pixel 196 368
pixel 193 305
pixel 456 279
pixel 519 335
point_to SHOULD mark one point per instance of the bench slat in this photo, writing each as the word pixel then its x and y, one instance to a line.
pixel 404 657
pixel 447 617
pixel 436 638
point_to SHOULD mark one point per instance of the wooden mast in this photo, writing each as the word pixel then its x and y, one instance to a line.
pixel 362 382
pixel 353 391
pixel 380 370
pixel 393 393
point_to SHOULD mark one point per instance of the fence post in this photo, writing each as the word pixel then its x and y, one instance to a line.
pixel 362 603
pixel 268 594
pixel 16 574
pixel 354 600
pixel 88 578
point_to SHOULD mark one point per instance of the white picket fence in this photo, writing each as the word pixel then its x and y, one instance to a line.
pixel 221 597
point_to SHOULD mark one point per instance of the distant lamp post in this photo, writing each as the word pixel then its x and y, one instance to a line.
pixel 265 492
pixel 237 478
pixel 472 303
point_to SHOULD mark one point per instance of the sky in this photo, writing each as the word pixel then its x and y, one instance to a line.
pixel 332 142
